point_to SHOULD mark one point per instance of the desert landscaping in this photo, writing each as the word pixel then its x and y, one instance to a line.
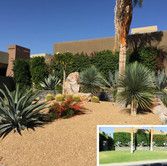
pixel 69 141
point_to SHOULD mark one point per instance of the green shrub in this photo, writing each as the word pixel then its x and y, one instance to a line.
pixel 59 97
pixel 103 137
pixel 71 62
pixel 95 99
pixel 22 74
pixel 49 97
pixel 159 139
pixel 39 70
pixel 105 61
pixel 122 138
pixel 149 56
pixel 142 137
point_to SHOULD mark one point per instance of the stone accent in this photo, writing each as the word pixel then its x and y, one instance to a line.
pixel 71 84
pixel 16 52
pixel 85 96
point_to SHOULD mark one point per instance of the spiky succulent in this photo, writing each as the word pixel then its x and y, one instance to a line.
pixel 19 110
pixel 50 82
pixel 91 80
pixel 137 86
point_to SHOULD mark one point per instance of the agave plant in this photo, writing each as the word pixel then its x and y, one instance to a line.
pixel 19 110
pixel 50 82
pixel 91 80
pixel 137 87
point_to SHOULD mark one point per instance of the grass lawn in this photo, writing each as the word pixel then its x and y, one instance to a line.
pixel 126 156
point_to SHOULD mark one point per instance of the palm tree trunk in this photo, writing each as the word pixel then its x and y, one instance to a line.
pixel 131 145
pixel 123 17
pixel 151 140
pixel 122 59
pixel 133 109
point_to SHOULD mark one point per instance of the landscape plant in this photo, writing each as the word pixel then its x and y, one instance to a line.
pixel 50 82
pixel 66 108
pixel 137 87
pixel 39 70
pixel 91 80
pixel 19 110
pixel 22 74
pixel 49 97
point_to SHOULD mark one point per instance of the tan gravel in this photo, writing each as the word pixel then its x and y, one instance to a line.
pixel 66 142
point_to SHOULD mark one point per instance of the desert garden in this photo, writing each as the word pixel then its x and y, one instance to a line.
pixel 64 123
pixel 50 110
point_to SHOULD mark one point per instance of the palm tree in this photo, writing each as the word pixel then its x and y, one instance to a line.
pixel 137 87
pixel 123 18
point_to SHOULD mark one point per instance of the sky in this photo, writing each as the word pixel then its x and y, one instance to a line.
pixel 38 24
pixel 110 130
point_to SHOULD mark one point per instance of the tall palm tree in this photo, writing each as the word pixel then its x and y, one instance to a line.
pixel 123 18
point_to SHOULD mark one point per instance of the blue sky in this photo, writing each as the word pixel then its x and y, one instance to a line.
pixel 110 130
pixel 38 24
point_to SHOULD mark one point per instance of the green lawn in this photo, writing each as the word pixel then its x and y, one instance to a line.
pixel 126 156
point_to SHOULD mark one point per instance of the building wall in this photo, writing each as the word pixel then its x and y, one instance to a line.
pixel 3 57
pixel 157 39
pixel 86 46
pixel 16 52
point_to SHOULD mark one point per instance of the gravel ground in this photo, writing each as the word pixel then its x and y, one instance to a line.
pixel 66 142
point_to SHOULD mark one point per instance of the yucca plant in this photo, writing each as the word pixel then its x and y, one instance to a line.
pixel 19 110
pixel 50 82
pixel 91 80
pixel 137 87
pixel 112 83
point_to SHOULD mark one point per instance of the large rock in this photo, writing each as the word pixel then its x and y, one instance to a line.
pixel 161 110
pixel 71 84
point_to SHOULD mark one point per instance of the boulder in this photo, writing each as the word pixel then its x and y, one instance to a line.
pixel 71 84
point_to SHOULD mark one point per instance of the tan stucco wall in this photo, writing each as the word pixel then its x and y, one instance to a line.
pixel 158 39
pixel 86 46
pixel 3 57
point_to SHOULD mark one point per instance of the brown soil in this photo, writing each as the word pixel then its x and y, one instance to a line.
pixel 66 142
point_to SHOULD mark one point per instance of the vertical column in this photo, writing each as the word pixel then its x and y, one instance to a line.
pixel 16 52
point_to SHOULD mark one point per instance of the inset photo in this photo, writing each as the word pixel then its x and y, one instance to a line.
pixel 131 145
